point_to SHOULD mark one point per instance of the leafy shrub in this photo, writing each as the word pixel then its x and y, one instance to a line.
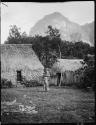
pixel 80 85
pixel 6 84
pixel 31 83
pixel 89 77
pixel 88 80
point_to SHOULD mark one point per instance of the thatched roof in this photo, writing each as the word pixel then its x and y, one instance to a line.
pixel 63 65
pixel 19 56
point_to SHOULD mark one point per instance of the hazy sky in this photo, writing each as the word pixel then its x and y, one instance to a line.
pixel 26 14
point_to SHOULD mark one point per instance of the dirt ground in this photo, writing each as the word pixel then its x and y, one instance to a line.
pixel 58 105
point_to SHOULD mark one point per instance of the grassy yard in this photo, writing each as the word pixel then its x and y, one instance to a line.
pixel 58 105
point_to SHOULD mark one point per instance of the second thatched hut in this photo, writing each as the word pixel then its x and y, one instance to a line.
pixel 66 71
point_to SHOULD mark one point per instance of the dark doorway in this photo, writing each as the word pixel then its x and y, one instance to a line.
pixel 58 78
pixel 19 76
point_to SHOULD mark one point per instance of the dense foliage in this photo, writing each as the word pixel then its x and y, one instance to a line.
pixel 89 74
pixel 6 84
pixel 89 77
pixel 50 47
pixel 31 83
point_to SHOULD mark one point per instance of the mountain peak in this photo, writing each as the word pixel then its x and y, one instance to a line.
pixel 57 13
pixel 69 31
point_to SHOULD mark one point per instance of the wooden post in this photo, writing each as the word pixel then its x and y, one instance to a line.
pixel 60 58
pixel 59 52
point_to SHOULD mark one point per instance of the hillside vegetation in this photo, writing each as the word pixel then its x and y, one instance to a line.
pixel 50 47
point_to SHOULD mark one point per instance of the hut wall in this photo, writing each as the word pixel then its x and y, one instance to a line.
pixel 53 80
pixel 10 76
pixel 26 74
pixel 70 77
pixel 67 77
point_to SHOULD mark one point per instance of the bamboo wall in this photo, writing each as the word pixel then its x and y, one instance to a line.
pixel 67 78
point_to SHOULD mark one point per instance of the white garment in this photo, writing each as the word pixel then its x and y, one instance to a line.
pixel 46 83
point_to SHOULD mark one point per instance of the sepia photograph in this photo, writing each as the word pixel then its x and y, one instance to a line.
pixel 47 62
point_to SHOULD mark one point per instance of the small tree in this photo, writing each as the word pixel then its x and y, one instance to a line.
pixel 54 35
pixel 14 35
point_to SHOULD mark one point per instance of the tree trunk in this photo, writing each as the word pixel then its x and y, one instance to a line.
pixel 60 58
pixel 59 51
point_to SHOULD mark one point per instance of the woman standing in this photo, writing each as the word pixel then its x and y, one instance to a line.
pixel 46 79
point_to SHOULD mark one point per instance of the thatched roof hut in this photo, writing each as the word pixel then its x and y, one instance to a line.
pixel 65 69
pixel 20 58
